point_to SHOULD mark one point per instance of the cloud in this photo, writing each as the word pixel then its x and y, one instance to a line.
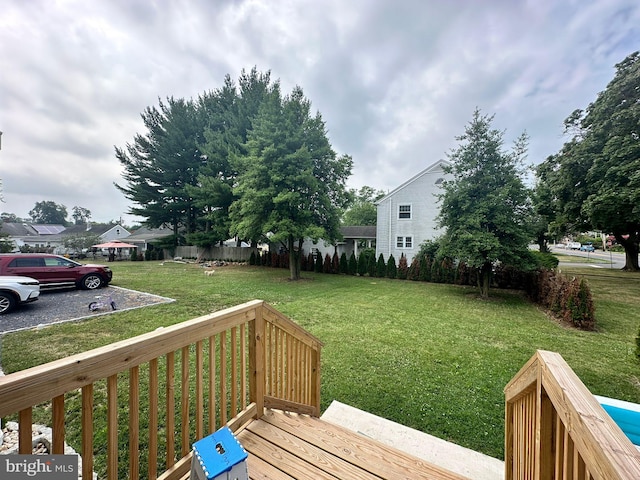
pixel 395 82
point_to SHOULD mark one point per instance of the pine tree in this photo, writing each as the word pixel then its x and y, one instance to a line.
pixel 392 270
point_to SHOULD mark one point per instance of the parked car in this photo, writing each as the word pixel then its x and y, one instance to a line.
pixel 54 271
pixel 587 247
pixel 16 290
pixel 574 245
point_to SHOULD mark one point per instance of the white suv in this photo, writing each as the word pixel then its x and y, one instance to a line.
pixel 16 290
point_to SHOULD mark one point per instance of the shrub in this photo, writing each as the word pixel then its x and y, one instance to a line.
pixel 318 263
pixel 569 300
pixel 335 263
pixel 352 268
pixel 326 266
pixel 362 264
pixel 545 260
pixel 579 305
pixel 403 268
pixel 392 270
pixel 252 258
pixel 381 267
pixel 344 263
pixel 414 270
pixel 425 268
pixel 371 267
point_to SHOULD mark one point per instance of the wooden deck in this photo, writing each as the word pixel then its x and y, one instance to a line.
pixel 287 446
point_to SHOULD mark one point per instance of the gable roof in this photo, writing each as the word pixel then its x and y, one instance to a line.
pixel 93 228
pixel 430 169
pixel 358 232
pixel 15 229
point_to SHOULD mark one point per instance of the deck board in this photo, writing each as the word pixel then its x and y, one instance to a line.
pixel 284 445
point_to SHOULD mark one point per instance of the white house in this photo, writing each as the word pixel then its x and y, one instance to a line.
pixel 407 215
pixel 51 237
pixel 354 238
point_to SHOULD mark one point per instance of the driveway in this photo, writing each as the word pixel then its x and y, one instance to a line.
pixel 57 306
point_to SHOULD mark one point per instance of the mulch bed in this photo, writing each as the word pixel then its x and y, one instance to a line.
pixel 69 305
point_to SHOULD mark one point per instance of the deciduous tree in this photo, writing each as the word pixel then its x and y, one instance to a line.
pixel 49 212
pixel 595 178
pixel 362 206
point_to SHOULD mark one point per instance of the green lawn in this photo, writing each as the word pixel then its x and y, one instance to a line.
pixel 433 357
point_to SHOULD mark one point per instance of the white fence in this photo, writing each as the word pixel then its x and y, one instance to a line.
pixel 235 254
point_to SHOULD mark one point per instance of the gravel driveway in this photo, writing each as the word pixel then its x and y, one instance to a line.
pixel 58 306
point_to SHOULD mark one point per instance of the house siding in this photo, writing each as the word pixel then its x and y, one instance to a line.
pixel 420 193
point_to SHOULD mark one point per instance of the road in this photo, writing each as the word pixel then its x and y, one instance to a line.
pixel 614 260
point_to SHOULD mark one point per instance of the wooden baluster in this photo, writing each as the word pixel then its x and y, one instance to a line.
pixel 112 427
pixel 234 371
pixel 58 425
pixel 25 422
pixel 185 402
pixel 243 365
pixel 87 431
pixel 153 419
pixel 199 390
pixel 223 378
pixel 212 384
pixel 134 422
pixel 171 405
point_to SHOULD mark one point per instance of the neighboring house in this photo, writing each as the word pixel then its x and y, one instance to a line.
pixel 51 237
pixel 352 238
pixel 143 236
pixel 407 215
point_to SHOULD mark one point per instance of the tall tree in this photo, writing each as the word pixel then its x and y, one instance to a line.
pixel 159 165
pixel 291 184
pixel 362 207
pixel 49 212
pixel 485 206
pixel 229 112
pixel 80 215
pixel 595 178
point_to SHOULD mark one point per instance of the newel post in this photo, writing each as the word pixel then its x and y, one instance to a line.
pixel 256 361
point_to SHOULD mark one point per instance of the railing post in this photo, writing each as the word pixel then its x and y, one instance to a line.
pixel 256 361
pixel 545 427
pixel 315 380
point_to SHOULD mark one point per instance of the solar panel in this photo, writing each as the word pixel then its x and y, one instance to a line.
pixel 48 229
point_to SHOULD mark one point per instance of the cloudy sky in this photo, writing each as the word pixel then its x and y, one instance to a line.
pixel 395 81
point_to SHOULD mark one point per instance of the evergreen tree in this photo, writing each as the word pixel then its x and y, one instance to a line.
pixel 353 264
pixel 363 264
pixel 344 263
pixel 381 267
pixel 403 268
pixel 485 207
pixel 392 269
pixel 371 266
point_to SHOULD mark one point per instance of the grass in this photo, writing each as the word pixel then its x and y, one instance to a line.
pixel 433 357
pixel 581 259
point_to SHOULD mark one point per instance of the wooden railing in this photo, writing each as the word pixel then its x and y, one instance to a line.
pixel 556 429
pixel 134 408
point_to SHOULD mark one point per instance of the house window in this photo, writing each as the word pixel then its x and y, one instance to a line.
pixel 404 242
pixel 404 211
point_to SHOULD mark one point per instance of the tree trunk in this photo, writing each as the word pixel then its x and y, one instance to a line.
pixel 484 280
pixel 631 250
pixel 294 259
